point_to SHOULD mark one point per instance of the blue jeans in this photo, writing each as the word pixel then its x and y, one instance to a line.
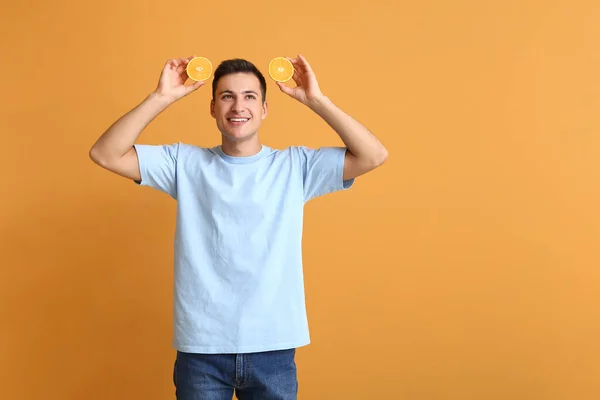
pixel 269 375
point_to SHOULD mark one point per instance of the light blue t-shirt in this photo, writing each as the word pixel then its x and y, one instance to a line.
pixel 238 277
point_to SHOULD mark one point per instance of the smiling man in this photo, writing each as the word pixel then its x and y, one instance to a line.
pixel 239 309
pixel 239 113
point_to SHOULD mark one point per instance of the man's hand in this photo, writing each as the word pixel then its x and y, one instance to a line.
pixel 364 151
pixel 307 89
pixel 171 85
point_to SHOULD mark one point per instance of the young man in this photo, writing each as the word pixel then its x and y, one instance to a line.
pixel 239 308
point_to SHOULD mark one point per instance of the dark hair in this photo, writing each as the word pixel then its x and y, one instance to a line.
pixel 234 66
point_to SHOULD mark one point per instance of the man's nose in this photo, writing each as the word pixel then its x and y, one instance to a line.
pixel 238 105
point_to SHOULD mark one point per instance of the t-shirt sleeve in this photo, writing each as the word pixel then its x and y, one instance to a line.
pixel 158 166
pixel 323 171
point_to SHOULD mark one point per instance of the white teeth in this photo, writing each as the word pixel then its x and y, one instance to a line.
pixel 238 119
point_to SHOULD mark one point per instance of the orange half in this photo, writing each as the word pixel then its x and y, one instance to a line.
pixel 281 69
pixel 199 69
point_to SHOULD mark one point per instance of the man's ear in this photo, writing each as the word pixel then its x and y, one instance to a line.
pixel 212 108
pixel 265 111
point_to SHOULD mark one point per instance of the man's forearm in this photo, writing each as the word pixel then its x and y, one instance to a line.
pixel 123 133
pixel 358 139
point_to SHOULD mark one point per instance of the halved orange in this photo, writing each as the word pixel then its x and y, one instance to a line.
pixel 281 69
pixel 199 69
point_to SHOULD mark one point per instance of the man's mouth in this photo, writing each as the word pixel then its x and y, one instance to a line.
pixel 237 121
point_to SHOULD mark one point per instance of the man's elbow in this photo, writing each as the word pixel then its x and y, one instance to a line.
pixel 98 157
pixel 383 156
pixel 93 154
pixel 380 158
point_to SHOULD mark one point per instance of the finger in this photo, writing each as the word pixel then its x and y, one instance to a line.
pixel 285 89
pixel 297 70
pixel 182 67
pixel 295 62
pixel 195 86
pixel 304 73
pixel 178 61
pixel 297 77
pixel 185 62
pixel 298 67
pixel 183 75
pixel 304 63
pixel 169 65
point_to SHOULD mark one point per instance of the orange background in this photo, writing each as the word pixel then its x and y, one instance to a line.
pixel 467 267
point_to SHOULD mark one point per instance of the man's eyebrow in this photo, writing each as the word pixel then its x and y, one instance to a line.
pixel 245 91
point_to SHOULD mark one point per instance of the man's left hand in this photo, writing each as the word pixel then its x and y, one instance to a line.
pixel 307 89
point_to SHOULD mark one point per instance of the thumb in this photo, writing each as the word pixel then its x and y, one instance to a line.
pixel 193 87
pixel 285 89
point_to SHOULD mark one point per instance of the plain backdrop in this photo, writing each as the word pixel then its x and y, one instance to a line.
pixel 466 267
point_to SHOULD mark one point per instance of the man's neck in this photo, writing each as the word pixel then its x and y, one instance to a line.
pixel 243 148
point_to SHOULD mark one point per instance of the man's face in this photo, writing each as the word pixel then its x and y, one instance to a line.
pixel 238 107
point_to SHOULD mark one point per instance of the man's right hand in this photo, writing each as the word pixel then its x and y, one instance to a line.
pixel 171 84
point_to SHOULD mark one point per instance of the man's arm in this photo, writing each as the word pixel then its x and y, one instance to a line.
pixel 364 151
pixel 114 149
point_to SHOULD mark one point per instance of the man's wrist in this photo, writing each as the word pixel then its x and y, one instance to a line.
pixel 160 100
pixel 319 104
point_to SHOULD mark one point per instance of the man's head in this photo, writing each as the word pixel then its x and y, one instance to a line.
pixel 239 99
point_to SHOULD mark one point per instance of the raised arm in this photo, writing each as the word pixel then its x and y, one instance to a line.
pixel 364 151
pixel 114 149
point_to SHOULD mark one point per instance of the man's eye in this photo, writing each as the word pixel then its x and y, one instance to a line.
pixel 227 96
pixel 251 96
